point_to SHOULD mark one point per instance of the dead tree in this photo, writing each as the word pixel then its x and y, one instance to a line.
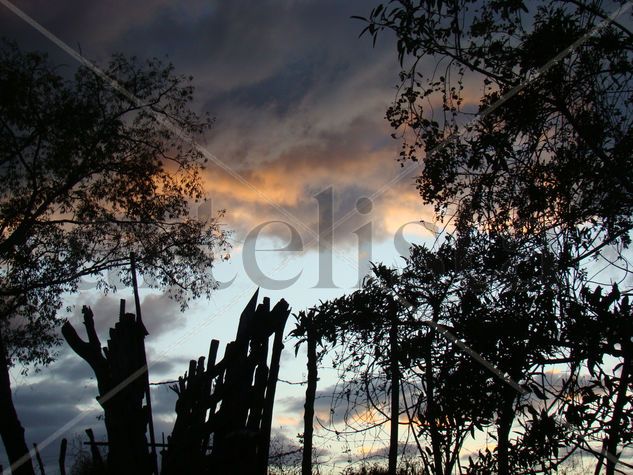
pixel 120 371
pixel 11 430
pixel 224 411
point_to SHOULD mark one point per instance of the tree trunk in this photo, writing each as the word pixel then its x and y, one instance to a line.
pixel 11 429
pixel 431 416
pixel 308 416
pixel 615 426
pixel 395 395
pixel 504 425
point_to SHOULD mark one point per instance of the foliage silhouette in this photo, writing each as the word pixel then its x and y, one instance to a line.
pixel 90 175
pixel 543 174
pixel 501 312
pixel 551 146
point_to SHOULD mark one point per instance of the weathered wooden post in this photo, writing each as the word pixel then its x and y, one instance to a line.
pixel 237 394
pixel 62 457
pixel 277 325
pixel 97 461
pixel 188 442
pixel 38 457
pixel 148 396
pixel 119 369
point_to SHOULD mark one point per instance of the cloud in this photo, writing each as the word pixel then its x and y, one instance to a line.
pixel 338 406
pixel 299 99
pixel 292 182
pixel 160 313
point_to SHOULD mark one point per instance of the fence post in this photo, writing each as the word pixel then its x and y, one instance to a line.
pixel 38 457
pixel 62 457
pixel 395 393
pixel 308 415
pixel 97 461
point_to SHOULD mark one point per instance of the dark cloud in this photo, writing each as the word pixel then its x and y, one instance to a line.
pixel 47 403
pixel 299 98
pixel 160 313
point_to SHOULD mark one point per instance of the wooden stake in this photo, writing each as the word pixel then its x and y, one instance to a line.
pixel 38 457
pixel 395 394
pixel 62 457
pixel 97 461
pixel 148 398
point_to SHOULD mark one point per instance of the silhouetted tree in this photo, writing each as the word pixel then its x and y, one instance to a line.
pixel 90 173
pixel 510 315
pixel 551 146
pixel 521 113
pixel 498 296
pixel 305 331
pixel 596 401
pixel 445 393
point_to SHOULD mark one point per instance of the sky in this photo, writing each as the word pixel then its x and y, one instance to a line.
pixel 299 104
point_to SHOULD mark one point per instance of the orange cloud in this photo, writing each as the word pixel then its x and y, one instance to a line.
pixel 291 180
pixel 285 420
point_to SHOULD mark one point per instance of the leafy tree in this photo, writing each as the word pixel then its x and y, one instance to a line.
pixel 89 175
pixel 597 402
pixel 510 315
pixel 521 114
pixel 467 290
pixel 497 297
pixel 551 147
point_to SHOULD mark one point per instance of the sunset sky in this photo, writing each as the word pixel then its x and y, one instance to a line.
pixel 299 102
pixel 299 140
